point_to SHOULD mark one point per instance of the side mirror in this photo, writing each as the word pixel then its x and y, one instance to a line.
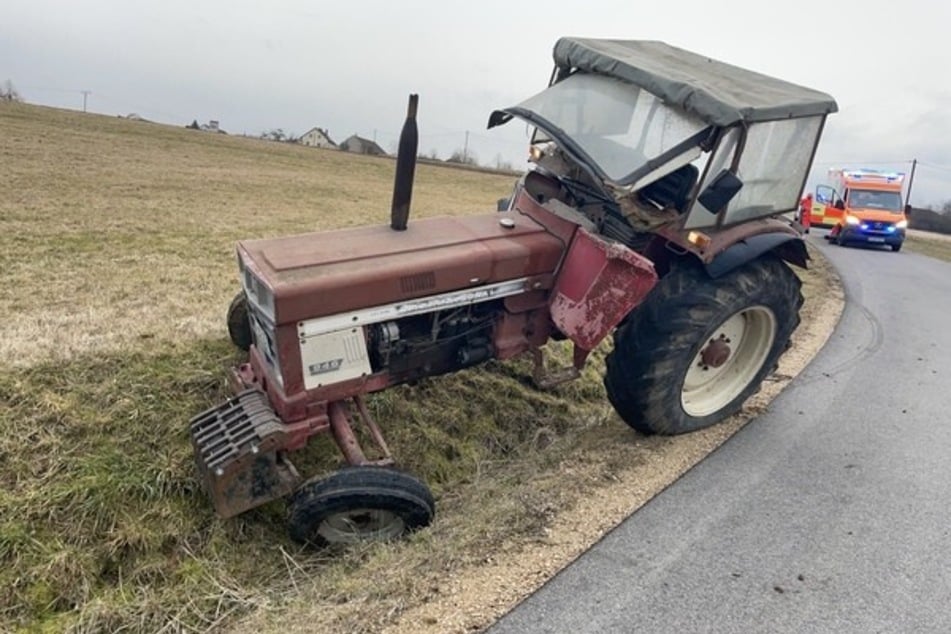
pixel 720 191
pixel 908 210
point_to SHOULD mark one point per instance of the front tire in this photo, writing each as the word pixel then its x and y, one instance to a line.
pixel 697 348
pixel 359 504
pixel 239 324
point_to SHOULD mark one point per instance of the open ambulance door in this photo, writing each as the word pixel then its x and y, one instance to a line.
pixel 824 211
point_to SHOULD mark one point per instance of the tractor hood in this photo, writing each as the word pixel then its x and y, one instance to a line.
pixel 318 274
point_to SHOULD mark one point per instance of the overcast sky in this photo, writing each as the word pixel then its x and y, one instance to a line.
pixel 349 66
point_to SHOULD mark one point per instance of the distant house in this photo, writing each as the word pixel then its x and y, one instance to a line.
pixel 359 145
pixel 211 126
pixel 317 137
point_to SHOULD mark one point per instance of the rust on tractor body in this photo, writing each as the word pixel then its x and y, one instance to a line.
pixel 601 283
pixel 318 274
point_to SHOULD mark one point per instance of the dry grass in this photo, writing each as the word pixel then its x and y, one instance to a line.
pixel 935 245
pixel 116 244
pixel 113 232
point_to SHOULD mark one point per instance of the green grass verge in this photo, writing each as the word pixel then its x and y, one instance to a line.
pixel 103 524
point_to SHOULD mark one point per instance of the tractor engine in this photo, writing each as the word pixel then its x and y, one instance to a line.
pixel 432 344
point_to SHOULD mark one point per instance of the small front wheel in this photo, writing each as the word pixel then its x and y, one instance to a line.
pixel 359 504
pixel 239 324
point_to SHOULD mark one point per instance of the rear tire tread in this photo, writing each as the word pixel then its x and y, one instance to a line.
pixel 660 339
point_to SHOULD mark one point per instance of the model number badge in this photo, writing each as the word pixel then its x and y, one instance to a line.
pixel 323 367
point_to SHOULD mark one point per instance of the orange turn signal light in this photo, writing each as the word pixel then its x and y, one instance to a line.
pixel 698 239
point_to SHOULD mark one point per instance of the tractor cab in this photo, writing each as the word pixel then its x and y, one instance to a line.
pixel 667 139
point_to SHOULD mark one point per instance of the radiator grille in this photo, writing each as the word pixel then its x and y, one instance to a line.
pixel 418 282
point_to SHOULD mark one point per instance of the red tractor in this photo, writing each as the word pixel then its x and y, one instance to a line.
pixel 651 212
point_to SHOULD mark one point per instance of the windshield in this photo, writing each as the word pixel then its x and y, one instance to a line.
pixel 616 124
pixel 871 199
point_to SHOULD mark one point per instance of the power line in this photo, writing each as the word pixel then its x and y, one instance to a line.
pixel 46 89
pixel 942 168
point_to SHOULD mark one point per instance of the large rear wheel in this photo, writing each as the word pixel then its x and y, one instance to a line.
pixel 359 504
pixel 697 348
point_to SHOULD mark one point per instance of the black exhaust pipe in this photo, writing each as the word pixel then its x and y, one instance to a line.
pixel 405 168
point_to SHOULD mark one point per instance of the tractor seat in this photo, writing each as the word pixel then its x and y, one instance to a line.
pixel 673 190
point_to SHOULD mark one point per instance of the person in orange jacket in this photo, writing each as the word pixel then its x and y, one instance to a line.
pixel 805 212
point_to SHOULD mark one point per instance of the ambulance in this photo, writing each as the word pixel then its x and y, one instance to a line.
pixel 862 205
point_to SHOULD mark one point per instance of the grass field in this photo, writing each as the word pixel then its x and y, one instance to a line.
pixel 935 245
pixel 116 245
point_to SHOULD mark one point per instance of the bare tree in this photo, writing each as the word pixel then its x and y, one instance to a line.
pixel 277 134
pixel 9 93
pixel 463 157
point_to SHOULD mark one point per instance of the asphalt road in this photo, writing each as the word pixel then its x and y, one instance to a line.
pixel 829 513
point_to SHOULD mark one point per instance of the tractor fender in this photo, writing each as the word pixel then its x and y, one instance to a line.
pixel 789 247
pixel 597 286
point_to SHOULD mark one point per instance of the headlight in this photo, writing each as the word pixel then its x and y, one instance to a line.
pixel 851 220
pixel 259 294
pixel 540 150
pixel 902 224
pixel 265 340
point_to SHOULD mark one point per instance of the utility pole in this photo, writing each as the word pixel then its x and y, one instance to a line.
pixel 86 94
pixel 911 181
pixel 465 149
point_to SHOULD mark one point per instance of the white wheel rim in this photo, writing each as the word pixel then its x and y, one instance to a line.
pixel 360 525
pixel 748 336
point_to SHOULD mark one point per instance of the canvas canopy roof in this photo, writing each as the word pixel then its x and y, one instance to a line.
pixel 719 93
